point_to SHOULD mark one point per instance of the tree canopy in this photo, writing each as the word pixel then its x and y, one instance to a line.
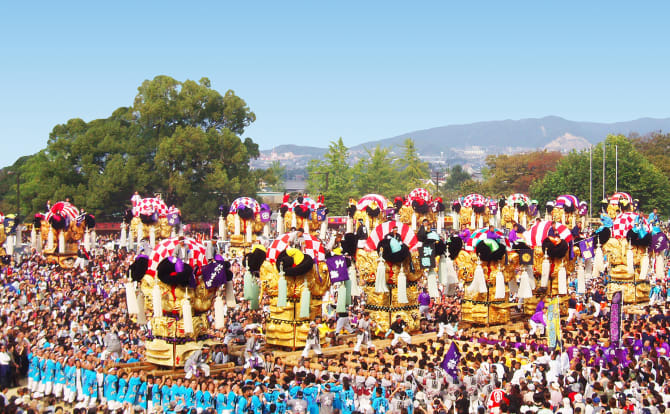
pixel 182 139
pixel 636 176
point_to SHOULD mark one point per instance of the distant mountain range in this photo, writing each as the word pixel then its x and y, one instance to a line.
pixel 508 136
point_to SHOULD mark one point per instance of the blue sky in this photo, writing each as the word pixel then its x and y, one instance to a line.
pixel 315 71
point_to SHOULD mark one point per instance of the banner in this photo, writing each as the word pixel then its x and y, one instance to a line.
pixel 265 215
pixel 553 323
pixel 426 257
pixel 173 219
pixel 525 257
pixel 586 247
pixel 337 267
pixel 321 214
pixel 659 242
pixel 451 360
pixel 615 319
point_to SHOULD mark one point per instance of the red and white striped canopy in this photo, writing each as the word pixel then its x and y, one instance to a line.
pixel 311 246
pixel 482 234
pixel 567 200
pixel 616 197
pixel 166 249
pixel 307 202
pixel 247 202
pixel 149 206
pixel 405 231
pixel 625 222
pixel 418 194
pixel 63 208
pixel 366 200
pixel 472 199
pixel 515 198
pixel 540 231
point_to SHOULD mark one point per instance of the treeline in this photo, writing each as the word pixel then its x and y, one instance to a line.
pixel 180 139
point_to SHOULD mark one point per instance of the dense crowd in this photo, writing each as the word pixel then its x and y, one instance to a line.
pixel 65 335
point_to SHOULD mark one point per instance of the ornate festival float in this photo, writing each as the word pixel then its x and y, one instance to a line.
pixel 480 258
pixel 554 257
pixel 246 221
pixel 150 220
pixel 8 226
pixel 516 209
pixel 63 227
pixel 303 213
pixel 294 276
pixel 626 241
pixel 177 287
pixel 474 211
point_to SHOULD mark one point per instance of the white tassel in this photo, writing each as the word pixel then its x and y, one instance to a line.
pixel 294 222
pixel 588 268
pixel 598 262
pixel 480 222
pixel 306 225
pixel 562 281
pixel 455 217
pixel 341 299
pixel 473 220
pixel 124 236
pixel 440 222
pixel 443 274
pixel 61 242
pixel 305 301
pixel 33 238
pixel 500 285
pixel 350 225
pixel 581 280
pixel 402 286
pixel 266 230
pixel 187 314
pixel 433 291
pixel 478 284
pixel 237 224
pixel 280 224
pixel 141 311
pixel 659 266
pixel 525 290
pixel 380 278
pixel 413 221
pixel 219 313
pixel 173 233
pixel 630 262
pixel 140 233
pixel 492 221
pixel 516 215
pixel 452 276
pixel 222 226
pixel 523 221
pixel 50 239
pixel 324 229
pixel 355 289
pixel 563 216
pixel 157 300
pixel 531 277
pixel 131 298
pixel 152 236
pixel 230 295
pixel 94 238
pixel 249 230
pixel 644 266
pixel 498 217
pixel 546 268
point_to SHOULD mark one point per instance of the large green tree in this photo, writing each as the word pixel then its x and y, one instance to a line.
pixel 182 139
pixel 377 173
pixel 412 169
pixel 332 177
pixel 636 175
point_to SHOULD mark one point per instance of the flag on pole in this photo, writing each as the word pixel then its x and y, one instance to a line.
pixel 615 319
pixel 553 323
pixel 586 247
pixel 451 360
pixel 337 267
